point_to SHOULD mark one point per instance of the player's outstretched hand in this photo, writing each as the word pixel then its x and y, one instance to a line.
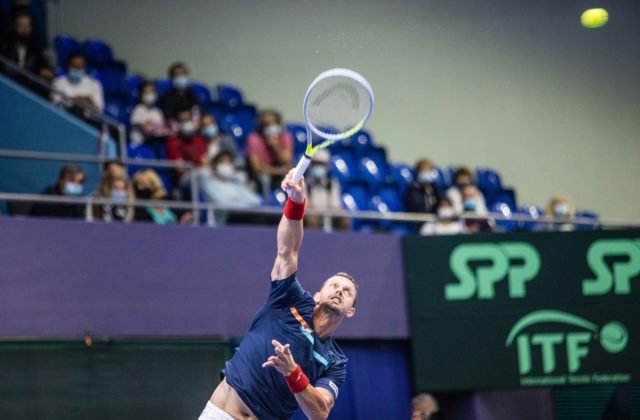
pixel 297 189
pixel 283 360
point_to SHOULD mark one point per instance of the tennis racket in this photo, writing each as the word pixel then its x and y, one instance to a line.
pixel 337 105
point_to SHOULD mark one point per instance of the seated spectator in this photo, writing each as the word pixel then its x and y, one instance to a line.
pixel 186 145
pixel 24 49
pixel 561 210
pixel 216 141
pixel 114 168
pixel 147 121
pixel 323 191
pixel 118 189
pixel 423 195
pixel 269 152
pixel 424 407
pixel 79 86
pixel 70 183
pixel 148 186
pixel 471 205
pixel 180 96
pixel 448 222
pixel 461 179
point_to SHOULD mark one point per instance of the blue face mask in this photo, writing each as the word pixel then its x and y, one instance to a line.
pixel 470 205
pixel 427 177
pixel 119 195
pixel 75 75
pixel 71 188
pixel 210 130
pixel 181 82
pixel 561 210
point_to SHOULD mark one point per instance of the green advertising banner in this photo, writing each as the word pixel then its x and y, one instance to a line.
pixel 524 310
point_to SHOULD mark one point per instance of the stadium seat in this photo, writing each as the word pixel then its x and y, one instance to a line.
pixel 230 96
pixel 441 181
pixel 117 109
pixel 402 175
pixel 489 182
pixel 278 197
pixel 162 86
pixel 298 133
pixel 386 200
pixel 239 125
pixel 112 77
pixel 97 53
pixel 532 212
pixel 133 83
pixel 593 220
pixel 361 143
pixel 342 167
pixel 504 210
pixel 370 171
pixel 216 109
pixel 505 195
pixel 203 93
pixel 65 46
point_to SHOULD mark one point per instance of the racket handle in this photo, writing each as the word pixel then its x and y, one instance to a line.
pixel 301 167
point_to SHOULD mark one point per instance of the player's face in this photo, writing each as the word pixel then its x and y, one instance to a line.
pixel 339 293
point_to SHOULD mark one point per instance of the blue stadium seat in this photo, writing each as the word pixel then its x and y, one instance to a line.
pixel 387 199
pixel 112 77
pixel 355 198
pixel 230 96
pixel 361 143
pixel 278 198
pixel 441 182
pixel 133 83
pixel 342 167
pixel 531 211
pixel 65 46
pixel 97 53
pixel 503 209
pixel 505 195
pixel 402 175
pixel 379 156
pixel 117 109
pixel 489 182
pixel 593 219
pixel 216 109
pixel 162 86
pixel 202 93
pixel 370 172
pixel 298 133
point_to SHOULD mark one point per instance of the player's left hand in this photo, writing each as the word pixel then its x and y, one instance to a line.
pixel 283 360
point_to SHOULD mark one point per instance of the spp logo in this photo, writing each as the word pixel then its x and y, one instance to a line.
pixel 574 345
pixel 617 276
pixel 514 262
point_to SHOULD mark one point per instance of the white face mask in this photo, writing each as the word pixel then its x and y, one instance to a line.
pixel 446 213
pixel 225 170
pixel 187 128
pixel 149 98
pixel 272 130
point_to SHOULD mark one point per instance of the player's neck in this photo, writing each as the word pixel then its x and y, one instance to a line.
pixel 325 321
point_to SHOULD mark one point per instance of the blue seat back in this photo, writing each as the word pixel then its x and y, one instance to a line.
pixel 113 79
pixel 504 210
pixel 299 134
pixel 354 198
pixel 533 212
pixel 97 53
pixel 342 167
pixel 133 83
pixel 361 143
pixel 230 96
pixel 202 92
pixel 117 109
pixel 370 172
pixel 387 197
pixel 402 175
pixel 65 46
pixel 163 86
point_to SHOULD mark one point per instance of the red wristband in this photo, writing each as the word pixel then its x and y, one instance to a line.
pixel 293 210
pixel 297 381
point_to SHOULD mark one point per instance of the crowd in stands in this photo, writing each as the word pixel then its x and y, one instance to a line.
pixel 176 120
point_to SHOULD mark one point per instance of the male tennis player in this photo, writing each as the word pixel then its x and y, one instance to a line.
pixel 287 358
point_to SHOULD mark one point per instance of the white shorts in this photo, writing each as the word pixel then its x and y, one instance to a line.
pixel 211 412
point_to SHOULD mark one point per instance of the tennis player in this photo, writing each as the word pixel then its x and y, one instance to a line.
pixel 288 358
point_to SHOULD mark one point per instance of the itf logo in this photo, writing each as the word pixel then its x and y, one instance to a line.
pixel 495 263
pixel 613 338
pixel 618 277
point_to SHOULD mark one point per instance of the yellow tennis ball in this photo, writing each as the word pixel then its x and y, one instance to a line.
pixel 594 18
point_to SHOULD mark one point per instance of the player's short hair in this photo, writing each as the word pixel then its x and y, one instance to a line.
pixel 353 280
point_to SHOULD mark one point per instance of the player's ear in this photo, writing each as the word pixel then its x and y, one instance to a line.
pixel 351 312
pixel 316 297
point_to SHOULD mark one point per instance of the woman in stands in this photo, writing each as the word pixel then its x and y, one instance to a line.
pixel 118 189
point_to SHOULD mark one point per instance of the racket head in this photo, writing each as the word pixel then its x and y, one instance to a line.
pixel 337 104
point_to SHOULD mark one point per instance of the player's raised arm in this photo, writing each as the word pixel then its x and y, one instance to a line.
pixel 290 229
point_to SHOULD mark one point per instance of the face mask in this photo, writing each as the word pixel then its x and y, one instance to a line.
pixel 75 75
pixel 446 213
pixel 210 130
pixel 181 82
pixel 143 193
pixel 149 98
pixel 470 204
pixel 225 170
pixel 272 130
pixel 427 177
pixel 187 128
pixel 561 210
pixel 119 195
pixel 71 188
pixel 319 171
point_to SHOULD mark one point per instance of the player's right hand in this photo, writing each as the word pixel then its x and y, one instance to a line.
pixel 296 190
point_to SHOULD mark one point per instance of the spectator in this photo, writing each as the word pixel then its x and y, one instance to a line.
pixel 147 122
pixel 424 406
pixel 448 222
pixel 70 183
pixel 461 179
pixel 187 145
pixel 216 141
pixel 23 48
pixel 114 168
pixel 561 210
pixel 148 186
pixel 471 205
pixel 323 191
pixel 180 96
pixel 269 152
pixel 78 85
pixel 423 195
pixel 118 189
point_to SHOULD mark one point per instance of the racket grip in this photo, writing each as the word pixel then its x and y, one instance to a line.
pixel 301 167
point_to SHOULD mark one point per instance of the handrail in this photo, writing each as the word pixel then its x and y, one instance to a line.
pixel 276 211
pixel 104 119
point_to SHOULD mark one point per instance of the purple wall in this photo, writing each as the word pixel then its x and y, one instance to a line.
pixel 63 278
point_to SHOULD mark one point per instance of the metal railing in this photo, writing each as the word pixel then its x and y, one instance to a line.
pixel 105 120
